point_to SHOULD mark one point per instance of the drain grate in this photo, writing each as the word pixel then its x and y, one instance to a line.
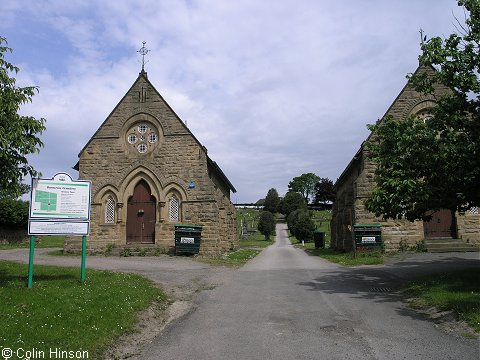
pixel 380 290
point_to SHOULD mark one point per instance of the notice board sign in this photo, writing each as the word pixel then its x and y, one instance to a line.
pixel 59 206
pixel 46 227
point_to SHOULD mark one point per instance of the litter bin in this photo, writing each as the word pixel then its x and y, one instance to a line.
pixel 319 238
pixel 187 238
pixel 367 235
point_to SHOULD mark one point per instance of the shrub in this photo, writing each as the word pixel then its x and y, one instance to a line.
pixel 301 225
pixel 13 213
pixel 266 224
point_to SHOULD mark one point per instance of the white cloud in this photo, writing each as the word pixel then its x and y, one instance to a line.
pixel 272 88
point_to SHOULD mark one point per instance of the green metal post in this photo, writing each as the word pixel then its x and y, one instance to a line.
pixel 30 261
pixel 84 256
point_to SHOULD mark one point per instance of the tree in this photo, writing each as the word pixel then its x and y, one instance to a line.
pixel 402 167
pixel 291 202
pixel 434 164
pixel 271 201
pixel 324 191
pixel 266 224
pixel 18 133
pixel 304 185
pixel 23 188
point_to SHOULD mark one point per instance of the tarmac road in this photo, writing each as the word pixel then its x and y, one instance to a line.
pixel 286 304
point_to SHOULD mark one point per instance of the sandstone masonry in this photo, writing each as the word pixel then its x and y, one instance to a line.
pixel 143 144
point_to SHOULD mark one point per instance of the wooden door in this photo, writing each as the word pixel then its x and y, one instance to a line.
pixel 141 215
pixel 441 225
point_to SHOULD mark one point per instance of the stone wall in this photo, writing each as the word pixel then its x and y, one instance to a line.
pixel 343 210
pixel 468 226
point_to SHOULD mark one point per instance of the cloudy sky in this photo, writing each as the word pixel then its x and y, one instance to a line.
pixel 272 88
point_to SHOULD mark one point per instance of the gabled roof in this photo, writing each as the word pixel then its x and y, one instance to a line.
pixel 352 162
pixel 143 76
pixel 220 173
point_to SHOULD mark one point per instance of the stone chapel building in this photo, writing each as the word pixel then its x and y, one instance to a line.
pixel 356 182
pixel 148 173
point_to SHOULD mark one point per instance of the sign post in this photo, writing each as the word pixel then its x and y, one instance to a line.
pixel 30 261
pixel 84 257
pixel 59 206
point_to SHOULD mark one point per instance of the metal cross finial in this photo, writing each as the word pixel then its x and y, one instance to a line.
pixel 143 51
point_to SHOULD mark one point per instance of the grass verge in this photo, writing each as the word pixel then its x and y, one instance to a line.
pixel 458 292
pixel 59 312
pixel 234 259
pixel 342 258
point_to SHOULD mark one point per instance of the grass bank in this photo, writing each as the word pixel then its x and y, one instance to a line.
pixel 59 312
pixel 458 292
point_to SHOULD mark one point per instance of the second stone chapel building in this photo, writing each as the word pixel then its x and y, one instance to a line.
pixel 357 181
pixel 149 173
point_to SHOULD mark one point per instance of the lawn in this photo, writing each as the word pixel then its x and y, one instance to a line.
pixel 456 291
pixel 60 312
pixel 247 218
pixel 256 240
pixel 322 222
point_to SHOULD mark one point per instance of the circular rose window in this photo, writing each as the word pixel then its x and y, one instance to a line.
pixel 143 137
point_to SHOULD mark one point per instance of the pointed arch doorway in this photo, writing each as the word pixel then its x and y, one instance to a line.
pixel 141 210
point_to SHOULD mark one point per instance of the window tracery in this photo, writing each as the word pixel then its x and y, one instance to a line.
pixel 110 211
pixel 174 208
pixel 143 137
